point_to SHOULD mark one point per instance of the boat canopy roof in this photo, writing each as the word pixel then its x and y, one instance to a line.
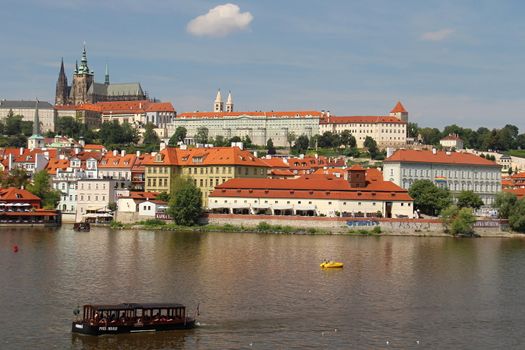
pixel 131 306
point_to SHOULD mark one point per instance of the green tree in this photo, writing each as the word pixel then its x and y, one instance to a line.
pixel 185 205
pixel 178 136
pixel 41 187
pixel 347 139
pixel 412 130
pixel 202 135
pixel 247 142
pixel 371 145
pixel 505 202
pixel 290 138
pixel 469 199
pixel 517 216
pixel 429 198
pixel 17 177
pixel 270 147
pixel 69 126
pixel 431 136
pixel 220 141
pixel 301 144
pixel 163 196
pixel 150 136
pixel 458 221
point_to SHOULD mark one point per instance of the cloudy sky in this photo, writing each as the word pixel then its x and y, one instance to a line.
pixel 447 61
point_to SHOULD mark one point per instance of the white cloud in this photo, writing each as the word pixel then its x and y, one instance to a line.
pixel 438 35
pixel 220 21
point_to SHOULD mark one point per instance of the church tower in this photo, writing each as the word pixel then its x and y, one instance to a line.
pixel 399 112
pixel 82 80
pixel 62 89
pixel 218 105
pixel 36 140
pixel 106 76
pixel 229 103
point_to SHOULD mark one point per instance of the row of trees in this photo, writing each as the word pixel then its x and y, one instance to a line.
pixel 14 131
pixel 40 186
pixel 503 139
pixel 511 208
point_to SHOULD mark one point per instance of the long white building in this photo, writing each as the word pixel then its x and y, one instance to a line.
pixel 387 131
pixel 456 171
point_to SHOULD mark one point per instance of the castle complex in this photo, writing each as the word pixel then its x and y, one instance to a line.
pixel 84 89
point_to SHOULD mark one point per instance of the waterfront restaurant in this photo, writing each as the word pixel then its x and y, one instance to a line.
pixel 21 207
pixel 331 195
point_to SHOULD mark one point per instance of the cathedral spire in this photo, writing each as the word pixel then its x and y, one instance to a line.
pixel 61 91
pixel 84 69
pixel 106 76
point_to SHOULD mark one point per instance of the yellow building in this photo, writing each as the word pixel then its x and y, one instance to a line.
pixel 208 167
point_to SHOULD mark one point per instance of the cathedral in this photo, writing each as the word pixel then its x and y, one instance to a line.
pixel 84 89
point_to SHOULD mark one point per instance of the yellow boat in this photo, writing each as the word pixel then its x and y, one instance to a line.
pixel 331 264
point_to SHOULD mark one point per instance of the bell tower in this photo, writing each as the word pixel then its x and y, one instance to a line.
pixel 218 105
pixel 82 80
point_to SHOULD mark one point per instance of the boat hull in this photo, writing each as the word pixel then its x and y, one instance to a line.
pixel 100 329
pixel 332 265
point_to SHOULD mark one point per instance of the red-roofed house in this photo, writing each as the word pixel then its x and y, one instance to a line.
pixel 326 195
pixel 387 131
pixel 455 170
pixel 452 141
pixel 208 167
pixel 138 113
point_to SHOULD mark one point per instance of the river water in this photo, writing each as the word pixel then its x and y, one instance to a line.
pixel 263 291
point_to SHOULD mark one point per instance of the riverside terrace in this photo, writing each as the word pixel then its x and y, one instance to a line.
pixel 19 207
pixel 313 195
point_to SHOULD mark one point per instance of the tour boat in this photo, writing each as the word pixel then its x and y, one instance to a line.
pixel 132 318
pixel 331 264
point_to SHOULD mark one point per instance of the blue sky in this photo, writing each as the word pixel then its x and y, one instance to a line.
pixel 447 61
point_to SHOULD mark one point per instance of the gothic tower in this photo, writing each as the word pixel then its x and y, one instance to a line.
pixel 106 76
pixel 229 103
pixel 82 80
pixel 62 89
pixel 399 112
pixel 218 105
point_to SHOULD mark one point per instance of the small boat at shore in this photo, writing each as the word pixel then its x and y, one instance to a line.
pixel 82 226
pixel 131 318
pixel 331 265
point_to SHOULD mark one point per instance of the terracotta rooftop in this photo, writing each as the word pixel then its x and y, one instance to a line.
pixel 362 119
pixel 424 156
pixel 398 108
pixel 206 156
pixel 117 161
pixel 271 114
pixel 13 194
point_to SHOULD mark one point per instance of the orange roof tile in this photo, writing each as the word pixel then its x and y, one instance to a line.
pixel 207 156
pixel 271 114
pixel 424 156
pixel 398 108
pixel 369 119
pixel 519 192
pixel 309 186
pixel 117 161
pixel 16 194
pixel 55 164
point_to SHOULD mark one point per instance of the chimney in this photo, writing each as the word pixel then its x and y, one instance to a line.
pixel 115 152
pixel 77 150
pixel 123 153
pixel 10 162
pixel 137 153
pixel 434 150
pixel 255 154
pixel 21 150
pixel 162 145
pixel 389 152
pixel 449 153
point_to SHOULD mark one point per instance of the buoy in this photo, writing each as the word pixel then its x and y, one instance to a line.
pixel 15 249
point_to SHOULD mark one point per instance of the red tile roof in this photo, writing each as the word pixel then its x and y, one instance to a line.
pixel 55 164
pixel 92 147
pixel 117 161
pixel 451 137
pixel 309 186
pixel 362 119
pixel 519 192
pixel 442 157
pixel 272 114
pixel 11 194
pixel 398 108
pixel 207 156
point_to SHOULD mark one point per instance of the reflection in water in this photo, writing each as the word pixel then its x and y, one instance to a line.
pixel 265 290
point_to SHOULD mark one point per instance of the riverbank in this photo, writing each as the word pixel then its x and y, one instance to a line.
pixel 264 227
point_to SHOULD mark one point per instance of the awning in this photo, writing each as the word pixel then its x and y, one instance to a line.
pixel 282 207
pixel 305 207
pixel 96 215
pixel 260 206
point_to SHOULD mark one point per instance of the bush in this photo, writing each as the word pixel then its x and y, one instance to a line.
pixel 458 221
pixel 376 229
pixel 116 224
pixel 153 222
pixel 263 227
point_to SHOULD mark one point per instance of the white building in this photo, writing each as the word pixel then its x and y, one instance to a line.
pixel 259 126
pixel 387 131
pixel 149 208
pixel 452 141
pixel 26 109
pixel 96 195
pixel 454 170
pixel 313 195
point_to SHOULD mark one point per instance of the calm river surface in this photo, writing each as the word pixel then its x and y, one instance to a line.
pixel 261 291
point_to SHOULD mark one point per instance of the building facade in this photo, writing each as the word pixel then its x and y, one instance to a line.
pixel 259 126
pixel 453 170
pixel 27 109
pixel 351 195
pixel 387 131
pixel 208 167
